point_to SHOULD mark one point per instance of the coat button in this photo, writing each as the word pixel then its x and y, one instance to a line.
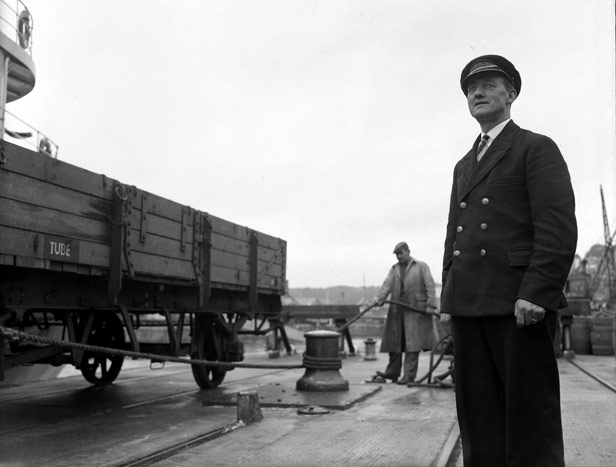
pixel 459 229
pixel 456 253
pixel 482 252
pixel 463 204
pixel 485 201
pixel 484 226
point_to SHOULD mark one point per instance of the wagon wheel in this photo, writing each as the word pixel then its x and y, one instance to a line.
pixel 102 369
pixel 207 345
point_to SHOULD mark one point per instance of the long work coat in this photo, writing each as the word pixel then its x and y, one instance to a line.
pixel 511 231
pixel 419 329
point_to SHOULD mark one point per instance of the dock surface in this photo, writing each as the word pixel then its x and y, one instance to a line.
pixel 161 418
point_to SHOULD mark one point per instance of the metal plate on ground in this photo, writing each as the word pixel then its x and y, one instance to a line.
pixel 280 395
pixel 312 410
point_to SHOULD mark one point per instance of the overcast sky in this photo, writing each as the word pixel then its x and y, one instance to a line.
pixel 333 124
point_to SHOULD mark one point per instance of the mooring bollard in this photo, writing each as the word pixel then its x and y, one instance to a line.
pixel 248 408
pixel 370 344
pixel 322 363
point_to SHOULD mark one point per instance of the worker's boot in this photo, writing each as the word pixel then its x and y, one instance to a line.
pixel 392 371
pixel 410 368
pixel 385 375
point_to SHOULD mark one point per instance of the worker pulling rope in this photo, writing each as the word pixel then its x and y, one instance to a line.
pixel 444 344
pixel 18 335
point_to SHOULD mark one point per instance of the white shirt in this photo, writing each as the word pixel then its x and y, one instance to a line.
pixel 493 133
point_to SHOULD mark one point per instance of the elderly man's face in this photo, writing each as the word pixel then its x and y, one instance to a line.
pixel 403 255
pixel 489 101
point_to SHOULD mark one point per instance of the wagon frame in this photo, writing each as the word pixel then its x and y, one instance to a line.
pixel 93 261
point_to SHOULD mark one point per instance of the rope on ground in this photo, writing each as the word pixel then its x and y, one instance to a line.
pixel 18 335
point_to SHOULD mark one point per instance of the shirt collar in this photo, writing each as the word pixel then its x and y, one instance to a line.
pixel 494 132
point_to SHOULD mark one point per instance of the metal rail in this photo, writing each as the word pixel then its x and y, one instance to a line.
pixel 16 23
pixel 598 379
pixel 25 135
pixel 179 447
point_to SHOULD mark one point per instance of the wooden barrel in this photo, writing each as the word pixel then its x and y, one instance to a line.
pixel 580 335
pixel 601 330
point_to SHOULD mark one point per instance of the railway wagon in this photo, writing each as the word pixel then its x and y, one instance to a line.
pixel 90 260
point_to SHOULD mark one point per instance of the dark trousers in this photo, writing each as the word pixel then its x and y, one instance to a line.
pixel 394 367
pixel 411 363
pixel 507 392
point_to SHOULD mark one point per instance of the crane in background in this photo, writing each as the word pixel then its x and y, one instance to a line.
pixel 606 270
pixel 587 290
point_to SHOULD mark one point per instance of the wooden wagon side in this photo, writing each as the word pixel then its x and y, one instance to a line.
pixel 85 251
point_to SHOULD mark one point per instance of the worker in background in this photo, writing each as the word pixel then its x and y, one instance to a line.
pixel 511 238
pixel 406 332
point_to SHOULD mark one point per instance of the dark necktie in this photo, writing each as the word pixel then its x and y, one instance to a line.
pixel 482 144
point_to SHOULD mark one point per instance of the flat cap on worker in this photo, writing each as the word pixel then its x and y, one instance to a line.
pixel 401 246
pixel 493 64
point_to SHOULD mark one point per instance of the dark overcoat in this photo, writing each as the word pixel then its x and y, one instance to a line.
pixel 419 330
pixel 511 231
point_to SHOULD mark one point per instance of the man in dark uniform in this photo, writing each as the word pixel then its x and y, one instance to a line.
pixel 511 239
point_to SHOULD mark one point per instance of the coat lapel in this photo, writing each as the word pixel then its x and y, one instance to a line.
pixel 493 156
pixel 467 166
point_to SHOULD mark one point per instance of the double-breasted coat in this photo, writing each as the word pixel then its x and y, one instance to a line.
pixel 511 234
pixel 418 292
pixel 511 231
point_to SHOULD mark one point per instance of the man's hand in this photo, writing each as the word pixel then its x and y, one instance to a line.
pixel 527 313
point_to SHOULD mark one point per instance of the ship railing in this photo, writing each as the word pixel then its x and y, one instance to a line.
pixel 23 134
pixel 16 23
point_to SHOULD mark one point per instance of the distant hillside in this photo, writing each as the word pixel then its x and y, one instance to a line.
pixel 339 295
